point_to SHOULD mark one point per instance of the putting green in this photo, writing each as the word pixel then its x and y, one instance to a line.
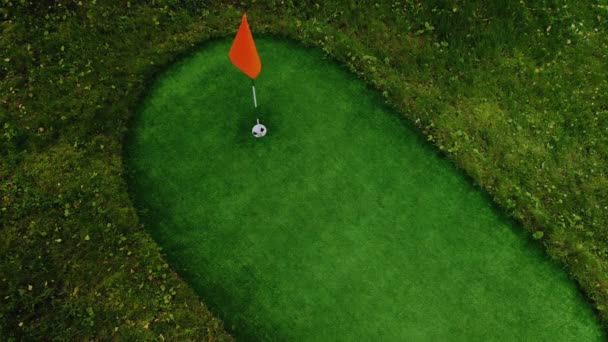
pixel 341 224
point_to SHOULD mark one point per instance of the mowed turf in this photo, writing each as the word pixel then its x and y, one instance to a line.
pixel 341 224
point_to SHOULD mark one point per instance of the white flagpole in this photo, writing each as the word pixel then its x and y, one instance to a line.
pixel 255 101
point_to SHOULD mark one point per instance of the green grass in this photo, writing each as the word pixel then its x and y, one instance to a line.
pixel 513 93
pixel 341 224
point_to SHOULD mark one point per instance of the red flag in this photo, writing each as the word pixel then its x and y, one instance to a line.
pixel 243 53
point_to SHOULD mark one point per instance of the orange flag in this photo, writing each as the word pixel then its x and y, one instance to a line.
pixel 243 53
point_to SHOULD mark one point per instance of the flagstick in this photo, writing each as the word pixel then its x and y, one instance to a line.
pixel 255 100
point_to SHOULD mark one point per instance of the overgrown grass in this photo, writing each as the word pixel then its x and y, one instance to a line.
pixel 513 92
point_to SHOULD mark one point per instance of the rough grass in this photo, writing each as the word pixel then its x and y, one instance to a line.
pixel 513 92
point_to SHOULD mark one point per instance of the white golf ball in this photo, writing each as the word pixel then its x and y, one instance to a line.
pixel 259 130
